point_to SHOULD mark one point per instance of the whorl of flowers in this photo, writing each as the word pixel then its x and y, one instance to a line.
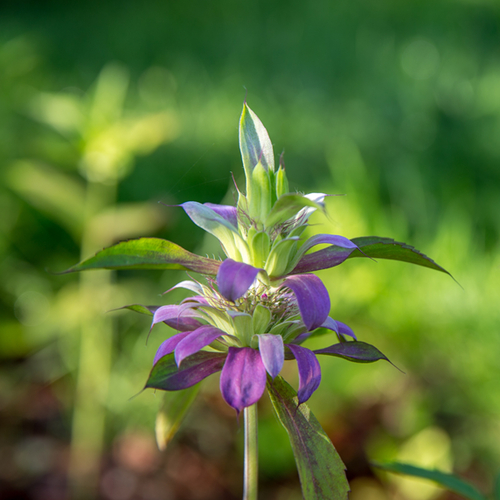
pixel 259 305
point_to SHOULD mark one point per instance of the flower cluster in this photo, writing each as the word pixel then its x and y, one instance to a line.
pixel 264 302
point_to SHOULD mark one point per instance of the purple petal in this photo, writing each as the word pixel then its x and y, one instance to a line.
pixel 195 341
pixel 178 317
pixel 243 378
pixel 330 239
pixel 346 330
pixel 227 212
pixel 272 352
pixel 339 328
pixel 234 278
pixel 312 298
pixel 309 371
pixel 331 324
pixel 169 345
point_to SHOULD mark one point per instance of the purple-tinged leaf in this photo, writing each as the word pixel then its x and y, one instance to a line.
pixel 272 352
pixel 207 218
pixel 312 298
pixel 166 376
pixel 255 144
pixel 309 371
pixel 322 259
pixel 196 340
pixel 227 212
pixel 368 246
pixel 147 253
pixel 359 352
pixel 179 317
pixel 321 471
pixel 168 346
pixel 235 278
pixel 243 378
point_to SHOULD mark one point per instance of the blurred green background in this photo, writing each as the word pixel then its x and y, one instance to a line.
pixel 107 108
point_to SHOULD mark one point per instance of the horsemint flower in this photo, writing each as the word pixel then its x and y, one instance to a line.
pixel 258 305
pixel 264 302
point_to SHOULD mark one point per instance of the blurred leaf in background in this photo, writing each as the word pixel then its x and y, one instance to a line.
pixel 396 105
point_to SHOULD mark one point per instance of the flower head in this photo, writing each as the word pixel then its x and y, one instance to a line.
pixel 262 302
pixel 260 309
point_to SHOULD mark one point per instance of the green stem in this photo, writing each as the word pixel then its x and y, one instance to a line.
pixel 94 364
pixel 251 455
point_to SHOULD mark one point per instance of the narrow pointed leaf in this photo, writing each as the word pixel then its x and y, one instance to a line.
pixel 166 376
pixel 448 481
pixel 312 298
pixel 243 378
pixel 368 246
pixel 359 352
pixel 175 406
pixel 309 371
pixel 321 471
pixel 149 310
pixel 255 144
pixel 387 248
pixel 148 253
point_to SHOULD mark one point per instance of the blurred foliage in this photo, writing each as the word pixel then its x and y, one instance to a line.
pixel 395 104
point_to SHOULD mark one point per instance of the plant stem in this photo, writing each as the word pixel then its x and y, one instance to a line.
pixel 94 364
pixel 251 453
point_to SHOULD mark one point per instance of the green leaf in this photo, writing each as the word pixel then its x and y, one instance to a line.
pixel 386 248
pixel 358 352
pixel 496 492
pixel 147 253
pixel 148 310
pixel 287 206
pixel 255 144
pixel 443 479
pixel 321 471
pixel 170 416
